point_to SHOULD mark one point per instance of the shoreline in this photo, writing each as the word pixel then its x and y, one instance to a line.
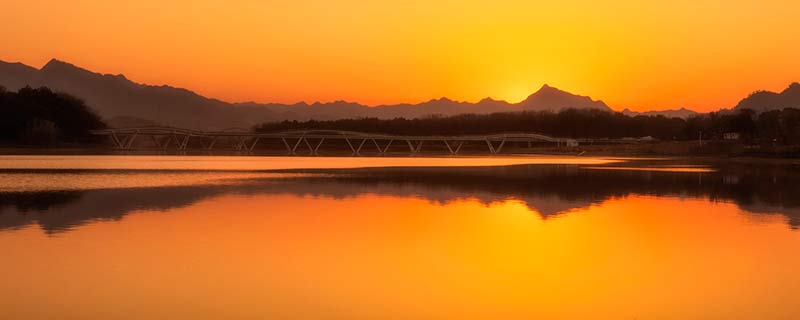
pixel 658 151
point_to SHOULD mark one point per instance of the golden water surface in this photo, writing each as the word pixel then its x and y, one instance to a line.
pixel 260 245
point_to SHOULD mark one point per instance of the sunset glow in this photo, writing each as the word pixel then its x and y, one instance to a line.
pixel 699 54
pixel 352 159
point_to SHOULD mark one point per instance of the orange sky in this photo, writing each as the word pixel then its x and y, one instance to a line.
pixel 701 54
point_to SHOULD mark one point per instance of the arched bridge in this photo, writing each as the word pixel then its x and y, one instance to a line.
pixel 308 141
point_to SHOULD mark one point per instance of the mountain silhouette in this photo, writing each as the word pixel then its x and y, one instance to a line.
pixel 553 99
pixel 766 100
pixel 114 95
pixel 127 103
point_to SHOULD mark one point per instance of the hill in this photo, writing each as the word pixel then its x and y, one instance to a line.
pixel 761 101
pixel 682 113
pixel 46 118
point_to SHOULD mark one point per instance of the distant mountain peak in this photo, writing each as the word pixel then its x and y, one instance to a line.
pixel 794 86
pixel 55 63
pixel 66 68
pixel 554 99
pixel 547 89
pixel 441 100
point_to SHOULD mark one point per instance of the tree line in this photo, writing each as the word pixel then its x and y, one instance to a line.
pixel 43 117
pixel 778 126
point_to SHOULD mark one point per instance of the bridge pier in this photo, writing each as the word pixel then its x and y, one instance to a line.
pixel 315 149
pixel 458 147
pixel 360 145
pixel 415 148
pixel 454 150
pixel 294 148
pixel 382 150
pixel 288 147
pixel 184 143
pixel 350 145
pixel 124 142
pixel 211 142
pixel 253 145
pixel 492 148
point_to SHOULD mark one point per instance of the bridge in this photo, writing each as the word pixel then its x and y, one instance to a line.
pixel 308 142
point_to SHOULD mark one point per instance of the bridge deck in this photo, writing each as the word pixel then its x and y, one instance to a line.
pixel 178 138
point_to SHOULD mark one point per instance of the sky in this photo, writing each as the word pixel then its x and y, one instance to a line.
pixel 642 55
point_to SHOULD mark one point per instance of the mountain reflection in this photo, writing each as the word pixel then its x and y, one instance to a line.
pixel 546 189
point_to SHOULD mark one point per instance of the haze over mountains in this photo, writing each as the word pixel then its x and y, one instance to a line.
pixel 127 103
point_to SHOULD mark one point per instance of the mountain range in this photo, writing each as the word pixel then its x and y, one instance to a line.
pixel 126 103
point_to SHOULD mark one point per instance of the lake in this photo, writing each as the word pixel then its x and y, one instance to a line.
pixel 194 237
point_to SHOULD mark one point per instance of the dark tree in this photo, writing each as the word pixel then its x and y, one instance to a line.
pixel 43 117
pixel 784 124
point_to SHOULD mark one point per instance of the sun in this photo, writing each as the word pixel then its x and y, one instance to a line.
pixel 516 92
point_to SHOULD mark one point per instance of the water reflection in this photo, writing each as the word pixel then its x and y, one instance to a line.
pixel 548 190
pixel 518 242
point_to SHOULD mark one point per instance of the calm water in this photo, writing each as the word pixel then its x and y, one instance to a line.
pixel 130 237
